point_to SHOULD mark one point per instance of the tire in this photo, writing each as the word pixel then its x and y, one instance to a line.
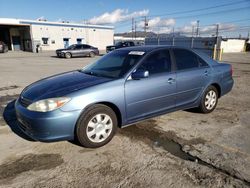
pixel 209 100
pixel 68 55
pixel 91 54
pixel 92 134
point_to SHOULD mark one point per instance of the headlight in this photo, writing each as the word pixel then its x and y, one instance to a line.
pixel 47 105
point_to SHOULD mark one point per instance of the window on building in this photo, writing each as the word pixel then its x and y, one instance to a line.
pixel 158 62
pixel 79 41
pixel 66 42
pixel 53 42
pixel 185 59
pixel 45 40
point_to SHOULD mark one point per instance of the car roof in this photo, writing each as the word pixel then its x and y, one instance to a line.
pixel 149 48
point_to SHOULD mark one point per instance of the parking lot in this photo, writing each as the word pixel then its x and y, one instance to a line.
pixel 180 149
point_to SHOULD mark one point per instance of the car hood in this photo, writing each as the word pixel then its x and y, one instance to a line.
pixel 61 85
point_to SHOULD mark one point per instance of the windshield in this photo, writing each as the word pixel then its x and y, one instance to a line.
pixel 71 47
pixel 114 65
pixel 119 44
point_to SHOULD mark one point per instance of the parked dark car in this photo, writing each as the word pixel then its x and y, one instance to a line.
pixel 3 47
pixel 77 50
pixel 121 88
pixel 119 45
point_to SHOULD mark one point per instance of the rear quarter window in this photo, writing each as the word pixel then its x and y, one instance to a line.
pixel 185 59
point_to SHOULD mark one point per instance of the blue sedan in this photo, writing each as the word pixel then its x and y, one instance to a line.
pixel 121 88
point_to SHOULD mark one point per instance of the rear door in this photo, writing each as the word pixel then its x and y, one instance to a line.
pixel 155 93
pixel 192 75
pixel 86 49
pixel 77 50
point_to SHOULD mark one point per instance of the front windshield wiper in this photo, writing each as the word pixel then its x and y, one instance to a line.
pixel 95 74
pixel 90 73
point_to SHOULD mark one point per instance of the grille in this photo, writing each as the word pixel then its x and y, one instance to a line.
pixel 24 102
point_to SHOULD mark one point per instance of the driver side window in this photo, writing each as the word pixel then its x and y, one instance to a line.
pixel 158 62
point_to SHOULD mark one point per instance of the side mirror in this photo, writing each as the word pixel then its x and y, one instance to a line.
pixel 139 74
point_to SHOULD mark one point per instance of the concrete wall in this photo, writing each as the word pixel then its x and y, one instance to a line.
pixel 233 45
pixel 98 37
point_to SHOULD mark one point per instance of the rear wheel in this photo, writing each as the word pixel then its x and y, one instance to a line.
pixel 68 55
pixel 96 126
pixel 209 100
pixel 91 54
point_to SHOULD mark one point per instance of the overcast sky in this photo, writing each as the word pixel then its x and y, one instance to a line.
pixel 162 15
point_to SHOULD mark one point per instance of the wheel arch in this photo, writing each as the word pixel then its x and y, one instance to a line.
pixel 115 109
pixel 218 87
pixel 110 105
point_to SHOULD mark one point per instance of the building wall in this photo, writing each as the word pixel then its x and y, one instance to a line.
pixel 98 37
pixel 233 45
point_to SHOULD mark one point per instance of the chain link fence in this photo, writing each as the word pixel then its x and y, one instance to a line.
pixel 208 45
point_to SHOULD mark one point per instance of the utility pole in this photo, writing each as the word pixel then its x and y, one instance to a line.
pixel 217 39
pixel 197 29
pixel 173 36
pixel 217 34
pixel 192 40
pixel 132 31
pixel 135 30
pixel 217 30
pixel 145 28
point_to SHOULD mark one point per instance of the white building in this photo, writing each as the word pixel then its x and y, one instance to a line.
pixel 233 45
pixel 27 35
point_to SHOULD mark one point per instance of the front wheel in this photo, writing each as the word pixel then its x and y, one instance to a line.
pixel 209 100
pixel 68 55
pixel 96 126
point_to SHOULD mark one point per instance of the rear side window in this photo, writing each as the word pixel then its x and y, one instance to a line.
pixel 158 62
pixel 85 46
pixel 78 47
pixel 202 63
pixel 185 59
pixel 131 44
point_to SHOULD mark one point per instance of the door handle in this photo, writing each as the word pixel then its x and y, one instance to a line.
pixel 171 80
pixel 206 73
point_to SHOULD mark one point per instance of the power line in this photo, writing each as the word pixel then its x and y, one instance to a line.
pixel 211 13
pixel 191 11
pixel 227 22
pixel 204 14
pixel 201 9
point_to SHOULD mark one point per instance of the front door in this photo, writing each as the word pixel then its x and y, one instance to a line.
pixel 154 94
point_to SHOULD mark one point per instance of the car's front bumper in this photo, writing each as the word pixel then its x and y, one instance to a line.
pixel 47 126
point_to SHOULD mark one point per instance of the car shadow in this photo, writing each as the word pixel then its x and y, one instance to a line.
pixel 193 110
pixel 10 118
pixel 54 56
